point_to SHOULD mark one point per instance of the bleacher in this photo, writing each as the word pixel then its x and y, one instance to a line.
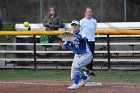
pixel 124 49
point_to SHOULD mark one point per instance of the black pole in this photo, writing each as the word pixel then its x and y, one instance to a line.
pixel 108 50
pixel 35 62
pixel 34 39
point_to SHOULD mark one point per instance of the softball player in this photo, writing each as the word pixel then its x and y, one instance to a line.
pixel 82 57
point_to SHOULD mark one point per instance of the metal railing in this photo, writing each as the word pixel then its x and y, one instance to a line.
pixel 108 59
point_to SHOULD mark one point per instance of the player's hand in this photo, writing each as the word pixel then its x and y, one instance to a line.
pixel 77 40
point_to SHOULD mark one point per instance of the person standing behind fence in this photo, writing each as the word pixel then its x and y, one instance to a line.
pixel 1 26
pixel 88 27
pixel 52 22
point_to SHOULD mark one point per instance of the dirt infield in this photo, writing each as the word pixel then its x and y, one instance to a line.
pixel 58 86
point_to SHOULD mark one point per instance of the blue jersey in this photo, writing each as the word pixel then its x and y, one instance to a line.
pixel 78 47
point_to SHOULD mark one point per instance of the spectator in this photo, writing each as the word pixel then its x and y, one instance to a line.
pixel 52 22
pixel 88 27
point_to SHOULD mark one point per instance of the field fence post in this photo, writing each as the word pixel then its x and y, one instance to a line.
pixel 35 62
pixel 108 50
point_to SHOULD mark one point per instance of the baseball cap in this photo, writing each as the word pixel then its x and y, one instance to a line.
pixel 75 22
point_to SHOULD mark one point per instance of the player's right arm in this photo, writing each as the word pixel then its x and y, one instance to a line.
pixel 64 45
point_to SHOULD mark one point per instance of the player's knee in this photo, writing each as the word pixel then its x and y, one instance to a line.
pixel 77 66
pixel 77 70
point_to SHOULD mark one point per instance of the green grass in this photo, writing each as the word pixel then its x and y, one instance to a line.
pixel 118 76
pixel 29 74
pixel 102 76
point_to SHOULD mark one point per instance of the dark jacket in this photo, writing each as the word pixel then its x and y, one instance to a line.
pixel 1 26
pixel 55 21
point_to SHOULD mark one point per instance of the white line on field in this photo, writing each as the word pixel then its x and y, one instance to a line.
pixel 124 86
pixel 29 83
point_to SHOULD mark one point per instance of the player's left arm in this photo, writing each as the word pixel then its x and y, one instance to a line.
pixel 81 38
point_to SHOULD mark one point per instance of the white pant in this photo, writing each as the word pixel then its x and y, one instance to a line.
pixel 80 61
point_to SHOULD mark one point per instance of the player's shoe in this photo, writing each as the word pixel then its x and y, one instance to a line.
pixel 92 74
pixel 73 86
pixel 87 73
pixel 83 82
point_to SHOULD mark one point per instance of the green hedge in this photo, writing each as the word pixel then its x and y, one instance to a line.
pixel 8 26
